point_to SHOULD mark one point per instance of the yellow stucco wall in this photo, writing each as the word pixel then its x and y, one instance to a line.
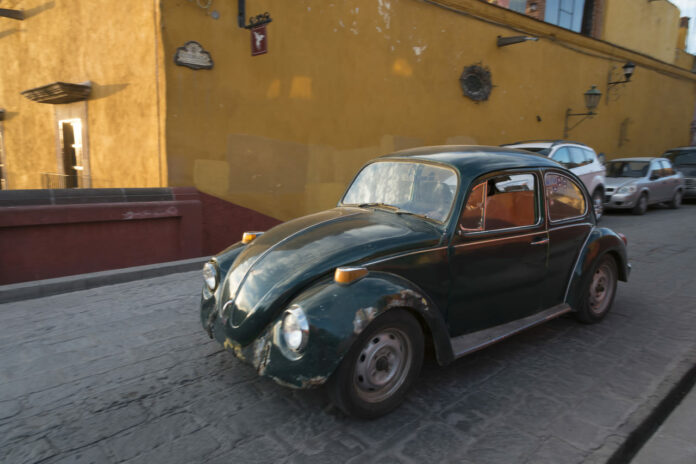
pixel 114 45
pixel 650 27
pixel 283 133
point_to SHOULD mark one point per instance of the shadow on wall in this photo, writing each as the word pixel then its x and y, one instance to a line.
pixel 103 91
pixel 285 179
pixel 38 9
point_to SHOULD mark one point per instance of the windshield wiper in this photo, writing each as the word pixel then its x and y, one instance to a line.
pixel 411 213
pixel 379 205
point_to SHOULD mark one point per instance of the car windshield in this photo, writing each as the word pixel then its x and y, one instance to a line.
pixel 405 188
pixel 627 168
pixel 681 158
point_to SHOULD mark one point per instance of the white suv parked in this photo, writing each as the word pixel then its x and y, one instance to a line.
pixel 578 158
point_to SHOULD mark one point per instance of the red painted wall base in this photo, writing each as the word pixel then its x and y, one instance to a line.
pixel 52 240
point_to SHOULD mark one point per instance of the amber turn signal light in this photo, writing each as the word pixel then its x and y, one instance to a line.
pixel 346 275
pixel 249 236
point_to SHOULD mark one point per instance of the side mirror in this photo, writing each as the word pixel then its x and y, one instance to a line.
pixel 654 177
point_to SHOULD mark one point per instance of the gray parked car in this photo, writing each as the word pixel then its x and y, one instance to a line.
pixel 684 160
pixel 635 183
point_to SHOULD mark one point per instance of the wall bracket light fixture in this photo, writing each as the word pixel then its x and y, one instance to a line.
pixel 592 98
pixel 628 70
pixel 255 21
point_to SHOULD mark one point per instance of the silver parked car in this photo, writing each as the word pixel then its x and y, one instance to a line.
pixel 635 183
pixel 684 161
pixel 580 159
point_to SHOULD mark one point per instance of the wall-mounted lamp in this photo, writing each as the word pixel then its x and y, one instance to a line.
pixel 592 98
pixel 628 69
pixel 505 41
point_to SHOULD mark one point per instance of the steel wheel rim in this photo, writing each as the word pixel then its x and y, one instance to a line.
pixel 601 289
pixel 598 205
pixel 643 203
pixel 677 199
pixel 383 365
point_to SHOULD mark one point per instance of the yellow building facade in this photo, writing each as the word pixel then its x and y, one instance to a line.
pixel 283 132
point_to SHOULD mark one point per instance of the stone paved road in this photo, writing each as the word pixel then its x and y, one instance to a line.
pixel 124 373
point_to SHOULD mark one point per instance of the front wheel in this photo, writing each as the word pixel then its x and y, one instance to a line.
pixel 598 203
pixel 380 367
pixel 641 205
pixel 599 291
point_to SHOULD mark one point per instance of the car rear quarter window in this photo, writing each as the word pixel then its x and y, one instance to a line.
pixel 564 197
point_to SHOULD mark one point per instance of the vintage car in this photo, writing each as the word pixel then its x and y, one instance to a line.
pixel 456 247
pixel 635 183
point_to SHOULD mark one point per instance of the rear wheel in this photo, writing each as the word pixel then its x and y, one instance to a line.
pixel 380 367
pixel 676 200
pixel 641 205
pixel 598 203
pixel 599 291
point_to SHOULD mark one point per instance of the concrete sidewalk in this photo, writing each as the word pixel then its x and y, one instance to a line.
pixel 675 440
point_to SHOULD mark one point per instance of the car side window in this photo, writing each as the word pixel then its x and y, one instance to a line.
pixel 562 156
pixel 667 169
pixel 501 202
pixel 564 197
pixel 589 156
pixel 577 157
pixel 655 170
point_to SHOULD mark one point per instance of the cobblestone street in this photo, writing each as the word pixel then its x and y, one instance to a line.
pixel 125 373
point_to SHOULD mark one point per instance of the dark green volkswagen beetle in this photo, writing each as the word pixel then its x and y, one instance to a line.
pixel 455 246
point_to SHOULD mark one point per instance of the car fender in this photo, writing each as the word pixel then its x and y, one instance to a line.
pixel 338 314
pixel 599 242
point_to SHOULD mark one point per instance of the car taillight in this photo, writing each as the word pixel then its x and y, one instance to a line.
pixel 623 237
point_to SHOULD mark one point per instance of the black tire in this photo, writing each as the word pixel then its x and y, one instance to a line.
pixel 641 205
pixel 394 332
pixel 676 200
pixel 598 203
pixel 598 291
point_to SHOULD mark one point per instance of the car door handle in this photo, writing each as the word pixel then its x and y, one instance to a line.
pixel 540 241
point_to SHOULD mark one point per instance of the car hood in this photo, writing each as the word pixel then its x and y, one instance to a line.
pixel 618 182
pixel 291 255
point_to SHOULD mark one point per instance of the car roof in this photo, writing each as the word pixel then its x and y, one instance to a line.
pixel 545 143
pixel 636 158
pixel 473 161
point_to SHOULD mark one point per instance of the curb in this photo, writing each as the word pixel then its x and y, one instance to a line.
pixel 47 287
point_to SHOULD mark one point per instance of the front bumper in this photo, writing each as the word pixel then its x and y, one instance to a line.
pixel 620 200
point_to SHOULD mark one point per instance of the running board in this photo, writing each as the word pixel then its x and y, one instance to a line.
pixel 468 343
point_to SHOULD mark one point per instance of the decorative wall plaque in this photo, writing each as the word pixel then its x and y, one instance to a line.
pixel 476 82
pixel 193 56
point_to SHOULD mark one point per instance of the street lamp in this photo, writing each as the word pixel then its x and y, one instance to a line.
pixel 592 98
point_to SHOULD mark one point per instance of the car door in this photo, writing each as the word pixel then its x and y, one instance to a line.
pixel 656 185
pixel 670 179
pixel 569 225
pixel 498 254
pixel 580 165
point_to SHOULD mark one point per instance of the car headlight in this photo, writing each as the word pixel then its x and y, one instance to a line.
pixel 295 328
pixel 210 275
pixel 627 189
